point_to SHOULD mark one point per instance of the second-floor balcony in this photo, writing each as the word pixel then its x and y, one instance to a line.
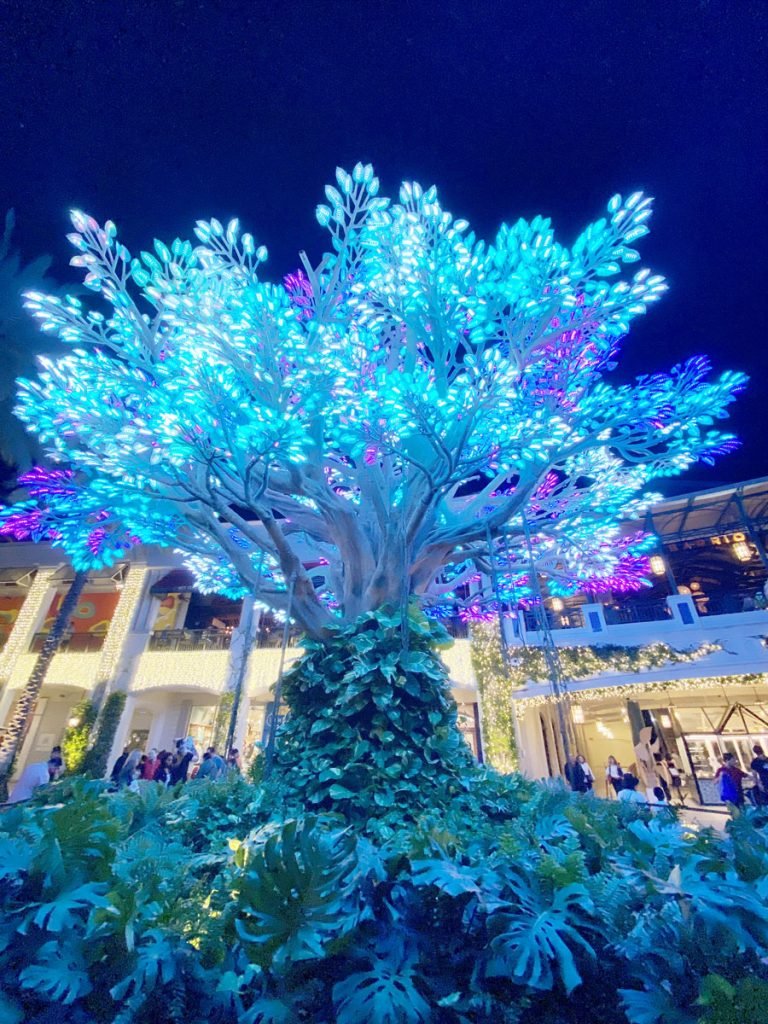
pixel 190 640
pixel 568 618
pixel 75 643
pixel 637 611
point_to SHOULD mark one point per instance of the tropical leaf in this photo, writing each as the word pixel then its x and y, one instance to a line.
pixel 293 892
pixel 531 937
pixel 59 973
pixel 155 962
pixel 650 1006
pixel 387 993
pixel 66 909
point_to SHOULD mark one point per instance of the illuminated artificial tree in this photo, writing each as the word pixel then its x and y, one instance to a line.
pixel 418 408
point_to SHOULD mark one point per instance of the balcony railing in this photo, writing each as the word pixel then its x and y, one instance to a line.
pixel 190 640
pixel 568 618
pixel 728 604
pixel 274 637
pixel 637 611
pixel 76 643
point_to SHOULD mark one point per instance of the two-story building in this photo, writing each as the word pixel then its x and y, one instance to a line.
pixel 142 628
pixel 686 656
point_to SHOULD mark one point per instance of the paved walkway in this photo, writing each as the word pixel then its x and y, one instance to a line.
pixel 698 817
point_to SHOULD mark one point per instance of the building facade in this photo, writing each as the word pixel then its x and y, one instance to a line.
pixel 685 659
pixel 177 654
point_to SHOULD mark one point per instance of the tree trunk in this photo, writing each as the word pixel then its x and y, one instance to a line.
pixel 19 722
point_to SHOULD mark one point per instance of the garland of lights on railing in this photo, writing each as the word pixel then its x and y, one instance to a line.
pixel 497 680
pixel 628 690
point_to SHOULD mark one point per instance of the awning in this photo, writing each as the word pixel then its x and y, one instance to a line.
pixel 177 581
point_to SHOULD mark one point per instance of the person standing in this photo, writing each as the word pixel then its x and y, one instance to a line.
pixel 574 773
pixel 117 767
pixel 207 769
pixel 164 765
pixel 759 768
pixel 180 768
pixel 151 765
pixel 731 781
pixel 614 776
pixel 589 775
pixel 130 770
pixel 34 776
pixel 219 764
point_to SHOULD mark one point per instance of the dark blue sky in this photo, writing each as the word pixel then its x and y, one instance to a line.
pixel 156 113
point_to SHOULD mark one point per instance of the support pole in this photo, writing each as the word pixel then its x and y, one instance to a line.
pixel 557 682
pixel 272 735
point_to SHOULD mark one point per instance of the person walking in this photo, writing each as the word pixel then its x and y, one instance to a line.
pixel 34 776
pixel 675 779
pixel 614 776
pixel 731 779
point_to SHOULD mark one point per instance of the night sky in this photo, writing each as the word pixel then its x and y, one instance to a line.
pixel 161 112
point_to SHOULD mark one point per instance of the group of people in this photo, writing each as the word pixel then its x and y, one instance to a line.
pixel 171 767
pixel 624 784
pixel 731 779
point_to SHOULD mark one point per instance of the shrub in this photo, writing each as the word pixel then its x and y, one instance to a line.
pixel 95 762
pixel 537 907
pixel 74 746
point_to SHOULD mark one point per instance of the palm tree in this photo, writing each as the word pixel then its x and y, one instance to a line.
pixel 21 343
pixel 18 724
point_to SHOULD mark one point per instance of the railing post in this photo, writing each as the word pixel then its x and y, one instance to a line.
pixel 594 618
pixel 683 609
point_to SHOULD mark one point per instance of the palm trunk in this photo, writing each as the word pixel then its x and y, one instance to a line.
pixel 21 718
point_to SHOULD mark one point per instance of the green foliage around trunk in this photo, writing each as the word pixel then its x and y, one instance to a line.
pixel 372 726
pixel 95 762
pixel 221 725
pixel 528 905
pixel 74 746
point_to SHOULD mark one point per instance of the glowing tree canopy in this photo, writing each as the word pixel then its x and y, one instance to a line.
pixel 418 407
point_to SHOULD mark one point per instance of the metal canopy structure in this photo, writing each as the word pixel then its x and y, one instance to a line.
pixel 740 507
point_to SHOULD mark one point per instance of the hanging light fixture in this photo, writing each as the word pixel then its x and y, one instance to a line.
pixel 658 567
pixel 742 549
pixel 557 604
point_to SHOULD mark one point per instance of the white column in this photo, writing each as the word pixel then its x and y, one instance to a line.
pixel 115 658
pixel 30 615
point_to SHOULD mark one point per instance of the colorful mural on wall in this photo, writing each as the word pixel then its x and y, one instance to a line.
pixel 93 614
pixel 9 611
